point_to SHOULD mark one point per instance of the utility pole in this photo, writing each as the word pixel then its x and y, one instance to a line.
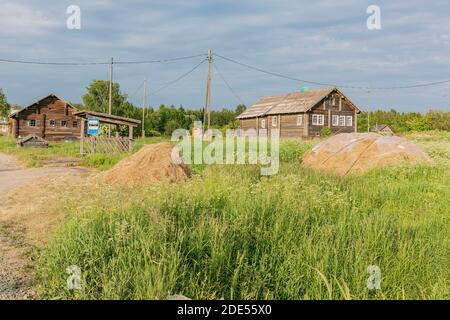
pixel 208 89
pixel 144 108
pixel 110 92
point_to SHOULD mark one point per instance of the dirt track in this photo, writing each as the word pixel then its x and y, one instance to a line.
pixel 13 250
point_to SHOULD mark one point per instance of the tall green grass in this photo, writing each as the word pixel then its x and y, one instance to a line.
pixel 230 233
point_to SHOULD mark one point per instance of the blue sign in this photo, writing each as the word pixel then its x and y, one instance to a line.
pixel 93 126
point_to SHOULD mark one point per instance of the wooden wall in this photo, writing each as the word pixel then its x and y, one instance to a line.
pixel 287 123
pixel 328 111
pixel 44 112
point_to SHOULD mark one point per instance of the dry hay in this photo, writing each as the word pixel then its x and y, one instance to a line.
pixel 150 165
pixel 354 153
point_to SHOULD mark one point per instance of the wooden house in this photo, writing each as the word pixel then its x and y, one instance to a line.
pixel 50 118
pixel 383 129
pixel 302 114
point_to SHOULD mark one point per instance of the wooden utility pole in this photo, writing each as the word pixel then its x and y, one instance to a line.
pixel 144 108
pixel 110 92
pixel 208 89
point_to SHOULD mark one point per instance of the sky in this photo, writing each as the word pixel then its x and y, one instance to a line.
pixel 322 41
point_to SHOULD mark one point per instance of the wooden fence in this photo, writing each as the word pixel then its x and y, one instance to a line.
pixel 92 145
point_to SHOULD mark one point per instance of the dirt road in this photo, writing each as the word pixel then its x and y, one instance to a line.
pixel 13 250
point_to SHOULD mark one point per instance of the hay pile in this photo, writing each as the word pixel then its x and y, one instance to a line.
pixel 152 164
pixel 349 153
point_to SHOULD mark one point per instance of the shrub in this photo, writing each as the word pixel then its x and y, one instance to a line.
pixel 325 132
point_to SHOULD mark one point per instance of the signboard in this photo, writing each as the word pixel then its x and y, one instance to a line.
pixel 93 126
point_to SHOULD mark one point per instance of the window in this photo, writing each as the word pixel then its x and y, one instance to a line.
pixel 318 119
pixel 349 121
pixel 52 123
pixel 335 120
pixel 275 121
pixel 263 123
pixel 342 121
pixel 64 123
pixel 75 124
pixel 300 120
pixel 32 123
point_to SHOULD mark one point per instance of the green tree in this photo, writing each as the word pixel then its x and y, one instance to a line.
pixel 418 124
pixel 97 98
pixel 439 120
pixel 4 106
pixel 240 108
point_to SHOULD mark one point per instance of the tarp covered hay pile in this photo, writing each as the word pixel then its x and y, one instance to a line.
pixel 355 153
pixel 150 165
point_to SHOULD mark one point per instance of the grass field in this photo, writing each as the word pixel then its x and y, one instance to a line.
pixel 35 157
pixel 230 233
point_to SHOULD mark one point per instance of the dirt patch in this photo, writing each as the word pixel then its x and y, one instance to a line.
pixel 355 153
pixel 151 165
pixel 31 206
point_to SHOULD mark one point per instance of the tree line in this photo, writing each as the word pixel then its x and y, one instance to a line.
pixel 164 119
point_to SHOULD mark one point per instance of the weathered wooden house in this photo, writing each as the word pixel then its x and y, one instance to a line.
pixel 302 114
pixel 50 118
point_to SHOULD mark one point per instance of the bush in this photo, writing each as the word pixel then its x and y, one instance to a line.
pixel 325 132
pixel 153 133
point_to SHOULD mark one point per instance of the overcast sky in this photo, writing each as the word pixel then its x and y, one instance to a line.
pixel 324 41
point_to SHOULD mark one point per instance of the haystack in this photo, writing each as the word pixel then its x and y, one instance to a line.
pixel 150 165
pixel 349 153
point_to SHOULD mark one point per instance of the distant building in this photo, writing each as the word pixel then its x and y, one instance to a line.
pixel 50 118
pixel 302 114
pixel 383 129
pixel 4 127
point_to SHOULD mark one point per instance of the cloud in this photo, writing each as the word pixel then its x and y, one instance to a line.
pixel 21 20
pixel 325 41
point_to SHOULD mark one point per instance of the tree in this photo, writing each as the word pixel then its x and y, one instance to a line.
pixel 418 124
pixel 4 106
pixel 439 120
pixel 97 98
pixel 240 108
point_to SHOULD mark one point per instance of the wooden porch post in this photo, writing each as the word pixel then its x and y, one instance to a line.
pixel 130 137
pixel 82 137
pixel 356 121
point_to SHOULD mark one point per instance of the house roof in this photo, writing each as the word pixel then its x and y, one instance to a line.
pixel 294 102
pixel 51 95
pixel 381 127
pixel 108 119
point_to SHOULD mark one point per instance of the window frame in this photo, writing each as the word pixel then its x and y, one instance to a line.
pixel 347 122
pixel 32 123
pixel 335 120
pixel 50 123
pixel 64 124
pixel 317 119
pixel 299 119
pixel 342 120
pixel 74 124
pixel 274 121
pixel 263 123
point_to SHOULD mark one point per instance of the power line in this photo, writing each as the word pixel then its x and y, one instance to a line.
pixel 426 84
pixel 227 84
pixel 53 63
pixel 168 84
